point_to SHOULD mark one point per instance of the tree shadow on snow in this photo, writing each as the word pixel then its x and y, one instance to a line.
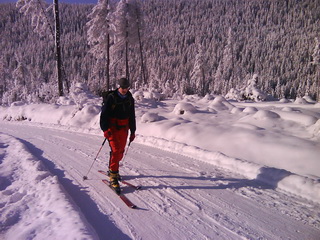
pixel 100 222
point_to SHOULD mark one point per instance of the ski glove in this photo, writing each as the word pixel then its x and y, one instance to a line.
pixel 132 137
pixel 107 134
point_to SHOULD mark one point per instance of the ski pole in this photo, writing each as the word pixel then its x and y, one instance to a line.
pixel 86 177
pixel 125 154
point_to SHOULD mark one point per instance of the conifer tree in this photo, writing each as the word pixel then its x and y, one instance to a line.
pixel 126 26
pixel 198 80
pixel 316 64
pixel 35 9
pixel 99 33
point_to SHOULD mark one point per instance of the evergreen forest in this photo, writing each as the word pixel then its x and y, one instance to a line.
pixel 189 47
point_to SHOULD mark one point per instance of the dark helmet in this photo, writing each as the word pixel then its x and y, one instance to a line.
pixel 124 83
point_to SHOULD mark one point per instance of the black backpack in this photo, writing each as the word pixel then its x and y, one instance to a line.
pixel 112 93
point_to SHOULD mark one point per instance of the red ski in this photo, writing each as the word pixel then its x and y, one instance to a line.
pixel 121 195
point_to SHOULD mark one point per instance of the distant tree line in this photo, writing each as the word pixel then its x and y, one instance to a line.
pixel 190 47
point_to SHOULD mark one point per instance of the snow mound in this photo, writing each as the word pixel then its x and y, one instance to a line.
pixel 298 117
pixel 284 100
pixel 236 110
pixel 265 114
pixel 150 117
pixel 183 108
pixel 220 104
pixel 308 99
pixel 87 117
pixel 65 101
pixel 316 128
pixel 250 110
pixel 300 101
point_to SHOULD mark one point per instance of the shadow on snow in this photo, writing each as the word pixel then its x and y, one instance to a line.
pixel 99 221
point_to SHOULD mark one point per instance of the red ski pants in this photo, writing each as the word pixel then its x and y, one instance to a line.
pixel 117 142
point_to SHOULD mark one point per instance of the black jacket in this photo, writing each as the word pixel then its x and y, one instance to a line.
pixel 117 107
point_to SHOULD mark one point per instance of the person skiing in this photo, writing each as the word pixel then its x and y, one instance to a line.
pixel 117 117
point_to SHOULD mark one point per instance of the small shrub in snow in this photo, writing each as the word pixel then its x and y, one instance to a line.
pixel 153 95
pixel 250 92
pixel 80 94
pixel 234 94
pixel 138 96
pixel 177 96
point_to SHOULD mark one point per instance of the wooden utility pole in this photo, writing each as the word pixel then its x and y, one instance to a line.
pixel 58 50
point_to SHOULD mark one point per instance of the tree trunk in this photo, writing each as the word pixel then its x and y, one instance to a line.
pixel 108 62
pixel 143 72
pixel 58 50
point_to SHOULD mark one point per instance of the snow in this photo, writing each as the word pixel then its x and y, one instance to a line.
pixel 276 143
pixel 32 200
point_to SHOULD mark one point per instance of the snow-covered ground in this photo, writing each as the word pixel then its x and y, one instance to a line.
pixel 230 170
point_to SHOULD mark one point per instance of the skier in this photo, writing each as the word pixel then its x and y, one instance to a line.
pixel 117 117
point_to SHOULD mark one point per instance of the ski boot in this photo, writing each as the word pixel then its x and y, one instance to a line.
pixel 118 175
pixel 114 183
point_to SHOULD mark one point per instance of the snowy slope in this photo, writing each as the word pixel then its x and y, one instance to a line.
pixel 244 170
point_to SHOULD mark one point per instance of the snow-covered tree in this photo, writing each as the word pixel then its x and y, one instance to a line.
pixel 3 82
pixel 39 21
pixel 316 63
pixel 125 23
pixel 37 10
pixel 197 77
pixel 224 74
pixel 99 33
pixel 316 53
pixel 249 92
pixel 252 92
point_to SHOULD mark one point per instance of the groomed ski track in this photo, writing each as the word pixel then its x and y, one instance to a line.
pixel 181 198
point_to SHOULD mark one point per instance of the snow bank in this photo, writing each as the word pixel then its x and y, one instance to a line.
pixel 32 201
pixel 278 178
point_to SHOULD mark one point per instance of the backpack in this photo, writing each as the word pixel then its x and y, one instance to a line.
pixel 105 95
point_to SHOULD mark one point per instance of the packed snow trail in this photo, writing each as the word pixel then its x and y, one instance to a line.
pixel 182 198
